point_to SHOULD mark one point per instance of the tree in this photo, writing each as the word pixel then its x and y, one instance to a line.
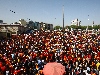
pixel 79 27
pixel 90 27
pixel 96 27
pixel 57 27
pixel 67 27
pixel 74 26
pixel 83 27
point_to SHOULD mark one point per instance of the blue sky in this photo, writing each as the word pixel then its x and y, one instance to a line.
pixel 50 11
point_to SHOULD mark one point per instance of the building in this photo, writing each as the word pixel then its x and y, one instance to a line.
pixel 41 26
pixel 30 24
pixel 23 22
pixel 1 21
pixel 37 25
pixel 46 26
pixel 49 27
pixel 76 22
pixel 12 29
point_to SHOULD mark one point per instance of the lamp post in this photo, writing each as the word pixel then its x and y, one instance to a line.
pixel 63 17
pixel 63 26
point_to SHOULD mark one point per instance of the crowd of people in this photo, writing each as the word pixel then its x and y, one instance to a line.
pixel 26 54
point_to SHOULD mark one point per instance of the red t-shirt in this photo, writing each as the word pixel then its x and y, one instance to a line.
pixel 3 68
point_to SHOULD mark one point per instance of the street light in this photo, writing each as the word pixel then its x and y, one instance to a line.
pixel 63 20
pixel 63 25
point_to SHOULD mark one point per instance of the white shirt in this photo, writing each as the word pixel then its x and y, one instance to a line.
pixel 86 72
pixel 72 73
pixel 7 72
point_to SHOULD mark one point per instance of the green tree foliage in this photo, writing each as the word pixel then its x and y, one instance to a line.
pixel 68 27
pixel 57 27
pixel 83 27
pixel 79 27
pixel 96 27
pixel 73 26
pixel 90 27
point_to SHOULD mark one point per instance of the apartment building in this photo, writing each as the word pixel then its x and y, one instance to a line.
pixel 12 29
